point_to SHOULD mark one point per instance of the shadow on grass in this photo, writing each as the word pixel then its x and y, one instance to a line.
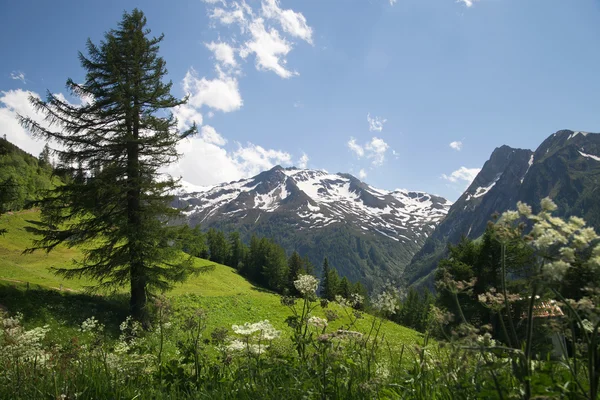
pixel 41 306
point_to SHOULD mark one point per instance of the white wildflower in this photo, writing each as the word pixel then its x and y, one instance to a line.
pixel 548 205
pixel 317 322
pixel 91 325
pixel 306 284
pixel 584 237
pixel 524 209
pixel 556 270
pixel 386 302
pixel 257 348
pixel 548 238
pixel 245 330
pixel 577 222
pixel 510 216
pixel 356 299
pixel 587 325
pixel 236 345
pixel 568 254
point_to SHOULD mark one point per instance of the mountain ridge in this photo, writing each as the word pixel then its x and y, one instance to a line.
pixel 565 167
pixel 369 234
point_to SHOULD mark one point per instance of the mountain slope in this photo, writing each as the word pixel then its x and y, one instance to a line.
pixel 566 167
pixel 28 285
pixel 368 234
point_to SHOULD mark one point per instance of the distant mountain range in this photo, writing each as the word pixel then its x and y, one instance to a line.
pixel 368 234
pixel 566 167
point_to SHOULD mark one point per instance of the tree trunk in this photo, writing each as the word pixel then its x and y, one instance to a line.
pixel 138 300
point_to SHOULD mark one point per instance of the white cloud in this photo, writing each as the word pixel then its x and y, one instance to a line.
pixel 375 123
pixel 186 115
pixel 234 16
pixel 18 75
pixel 224 53
pixel 468 3
pixel 221 93
pixel 268 44
pixel 210 135
pixel 269 48
pixel 463 174
pixel 16 102
pixel 456 145
pixel 392 2
pixel 356 148
pixel 298 104
pixel 377 148
pixel 303 162
pixel 293 23
pixel 205 163
pixel 362 174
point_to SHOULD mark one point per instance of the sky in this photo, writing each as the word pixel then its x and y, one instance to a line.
pixel 412 94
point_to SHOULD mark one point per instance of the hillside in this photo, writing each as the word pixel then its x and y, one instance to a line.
pixel 565 167
pixel 368 234
pixel 22 176
pixel 226 296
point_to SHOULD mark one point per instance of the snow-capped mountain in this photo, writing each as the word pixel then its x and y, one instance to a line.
pixel 566 167
pixel 306 209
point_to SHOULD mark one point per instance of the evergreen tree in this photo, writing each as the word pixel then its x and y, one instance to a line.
pixel 7 194
pixel 217 246
pixel 194 242
pixel 237 251
pixel 344 288
pixel 295 268
pixel 275 269
pixel 121 216
pixel 45 155
pixel 329 281
pixel 307 266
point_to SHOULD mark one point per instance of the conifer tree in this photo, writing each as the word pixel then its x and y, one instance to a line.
pixel 329 281
pixel 294 269
pixel 237 251
pixel 115 145
pixel 44 156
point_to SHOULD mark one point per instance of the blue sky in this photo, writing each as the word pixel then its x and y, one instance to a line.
pixel 295 82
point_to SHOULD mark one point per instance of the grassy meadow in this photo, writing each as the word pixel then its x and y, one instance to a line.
pixel 226 297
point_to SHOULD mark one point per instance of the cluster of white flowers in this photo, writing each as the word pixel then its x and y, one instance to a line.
pixel 17 343
pixel 317 322
pixel 306 285
pixel 524 209
pixel 386 302
pixel 258 331
pixel 548 205
pixel 356 299
pixel 510 216
pixel 264 328
pixel 91 325
pixel 236 345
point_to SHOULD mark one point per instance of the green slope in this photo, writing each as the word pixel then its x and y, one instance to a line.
pixel 226 296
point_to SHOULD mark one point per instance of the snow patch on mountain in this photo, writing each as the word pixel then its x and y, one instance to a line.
pixel 593 157
pixel 323 199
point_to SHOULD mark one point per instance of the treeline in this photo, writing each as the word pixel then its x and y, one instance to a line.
pixel 265 263
pixel 23 177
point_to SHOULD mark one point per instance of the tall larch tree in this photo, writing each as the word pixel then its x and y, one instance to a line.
pixel 115 144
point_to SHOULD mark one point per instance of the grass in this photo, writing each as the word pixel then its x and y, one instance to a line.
pixel 226 296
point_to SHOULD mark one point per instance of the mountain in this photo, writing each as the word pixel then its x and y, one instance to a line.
pixel 566 167
pixel 368 234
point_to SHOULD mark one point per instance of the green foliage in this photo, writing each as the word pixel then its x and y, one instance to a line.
pixel 218 246
pixel 114 205
pixel 23 178
pixel 414 310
